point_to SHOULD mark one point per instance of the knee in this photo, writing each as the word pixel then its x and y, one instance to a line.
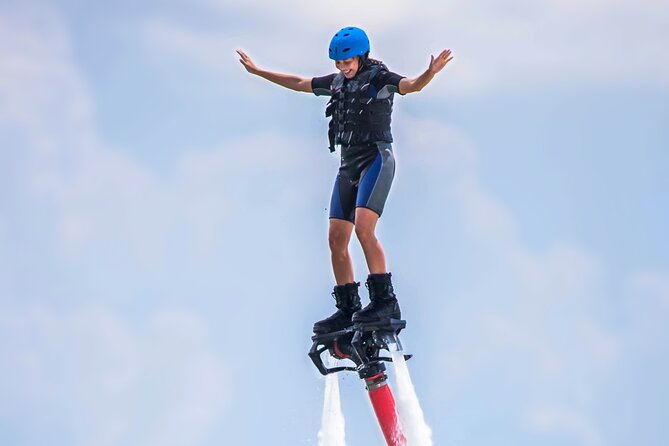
pixel 365 234
pixel 338 241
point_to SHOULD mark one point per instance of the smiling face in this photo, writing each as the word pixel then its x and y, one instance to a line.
pixel 349 67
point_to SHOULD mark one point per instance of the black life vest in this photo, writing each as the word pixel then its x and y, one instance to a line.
pixel 358 116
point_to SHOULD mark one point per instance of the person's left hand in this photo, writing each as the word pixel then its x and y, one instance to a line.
pixel 437 64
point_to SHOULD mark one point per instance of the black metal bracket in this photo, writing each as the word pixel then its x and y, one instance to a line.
pixel 361 344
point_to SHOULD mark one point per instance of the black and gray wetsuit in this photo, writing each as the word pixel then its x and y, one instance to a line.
pixel 361 110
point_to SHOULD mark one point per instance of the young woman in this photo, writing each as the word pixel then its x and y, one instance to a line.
pixel 360 110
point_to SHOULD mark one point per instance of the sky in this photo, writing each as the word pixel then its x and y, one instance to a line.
pixel 163 221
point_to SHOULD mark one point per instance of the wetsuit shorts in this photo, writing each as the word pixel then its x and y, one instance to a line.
pixel 363 180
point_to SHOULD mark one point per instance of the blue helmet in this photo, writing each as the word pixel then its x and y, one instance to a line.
pixel 348 42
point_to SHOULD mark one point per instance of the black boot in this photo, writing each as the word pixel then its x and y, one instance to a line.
pixel 383 302
pixel 348 302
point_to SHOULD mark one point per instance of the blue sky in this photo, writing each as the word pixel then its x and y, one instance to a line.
pixel 163 221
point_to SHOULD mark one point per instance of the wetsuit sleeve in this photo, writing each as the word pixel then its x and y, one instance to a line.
pixel 387 82
pixel 321 85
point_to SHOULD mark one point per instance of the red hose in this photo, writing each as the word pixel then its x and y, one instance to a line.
pixel 384 407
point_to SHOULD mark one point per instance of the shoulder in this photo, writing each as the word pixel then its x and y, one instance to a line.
pixel 321 85
pixel 386 82
pixel 386 77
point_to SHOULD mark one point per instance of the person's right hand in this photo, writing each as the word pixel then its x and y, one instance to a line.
pixel 247 62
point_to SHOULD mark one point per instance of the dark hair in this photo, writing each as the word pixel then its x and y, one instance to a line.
pixel 366 61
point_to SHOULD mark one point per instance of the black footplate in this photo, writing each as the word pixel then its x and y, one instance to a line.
pixel 361 344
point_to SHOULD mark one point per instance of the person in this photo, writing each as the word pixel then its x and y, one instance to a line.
pixel 360 107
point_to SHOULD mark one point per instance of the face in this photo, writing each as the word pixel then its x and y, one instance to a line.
pixel 348 66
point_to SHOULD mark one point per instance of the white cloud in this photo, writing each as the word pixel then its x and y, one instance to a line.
pixel 105 381
pixel 535 308
pixel 450 155
pixel 290 16
pixel 38 81
pixel 517 45
pixel 98 191
pixel 111 383
pixel 213 182
pixel 564 273
pixel 530 44
pixel 210 49
pixel 652 285
pixel 603 347
pixel 98 194
pixel 646 309
pixel 589 6
pixel 452 152
pixel 564 421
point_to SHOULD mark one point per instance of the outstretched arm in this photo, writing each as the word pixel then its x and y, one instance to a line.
pixel 285 80
pixel 436 65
